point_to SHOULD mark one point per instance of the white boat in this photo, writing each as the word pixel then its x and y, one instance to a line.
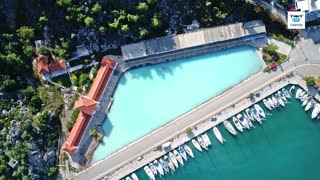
pixel 259 110
pixel 178 156
pixel 271 102
pixel 206 139
pixel 274 100
pixel 249 114
pixel 183 153
pixel 246 118
pixel 149 172
pixel 279 100
pixel 305 102
pixel 229 127
pixel 188 150
pixel 153 168
pixel 164 165
pixel 202 143
pixel 128 178
pixel 299 91
pixel 286 93
pixel 292 89
pixel 158 166
pixel 302 94
pixel 282 96
pixel 237 124
pixel 173 159
pixel 266 103
pixel 134 176
pixel 243 122
pixel 310 104
pixel 315 111
pixel 218 134
pixel 304 97
pixel 256 115
pixel 169 163
pixel 196 145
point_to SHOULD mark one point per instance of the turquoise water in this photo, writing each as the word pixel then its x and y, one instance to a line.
pixel 149 97
pixel 286 146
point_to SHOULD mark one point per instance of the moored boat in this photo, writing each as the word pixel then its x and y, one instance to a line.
pixel 164 165
pixel 169 163
pixel 178 156
pixel 159 167
pixel 153 168
pixel 243 122
pixel 246 118
pixel 202 143
pixel 292 89
pixel 188 150
pixel 256 115
pixel 237 124
pixel 134 176
pixel 128 178
pixel 183 153
pixel 173 159
pixel 282 96
pixel 299 91
pixel 266 103
pixel 229 127
pixel 249 114
pixel 149 172
pixel 302 94
pixel 310 104
pixel 259 110
pixel 279 100
pixel 206 139
pixel 315 111
pixel 218 134
pixel 274 100
pixel 196 145
pixel 286 93
pixel 304 97
pixel 271 102
pixel 305 102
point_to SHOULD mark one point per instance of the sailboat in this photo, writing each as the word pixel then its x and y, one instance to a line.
pixel 274 100
pixel 249 114
pixel 304 97
pixel 305 102
pixel 202 143
pixel 134 176
pixel 282 96
pixel 286 93
pixel 206 139
pixel 246 118
pixel 279 100
pixel 291 91
pixel 256 115
pixel 153 168
pixel 237 123
pixel 271 102
pixel 229 127
pixel 173 159
pixel 149 172
pixel 243 122
pixel 178 156
pixel 183 153
pixel 315 111
pixel 169 163
pixel 188 150
pixel 158 166
pixel 196 145
pixel 164 165
pixel 259 110
pixel 266 103
pixel 218 135
pixel 310 104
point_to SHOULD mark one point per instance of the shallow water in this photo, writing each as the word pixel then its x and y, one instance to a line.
pixel 149 97
pixel 286 146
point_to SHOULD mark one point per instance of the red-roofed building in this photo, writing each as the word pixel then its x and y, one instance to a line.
pixel 87 105
pixel 44 66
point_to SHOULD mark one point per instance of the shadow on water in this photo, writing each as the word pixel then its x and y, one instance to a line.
pixel 107 127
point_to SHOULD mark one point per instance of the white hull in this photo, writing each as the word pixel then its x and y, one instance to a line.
pixel 183 153
pixel 218 134
pixel 188 150
pixel 237 124
pixel 128 178
pixel 134 176
pixel 282 96
pixel 274 100
pixel 243 122
pixel 229 127
pixel 266 103
pixel 169 163
pixel 299 91
pixel 153 168
pixel 259 110
pixel 256 115
pixel 196 145
pixel 310 104
pixel 202 143
pixel 286 93
pixel 249 114
pixel 159 167
pixel 305 102
pixel 292 89
pixel 206 139
pixel 279 100
pixel 271 103
pixel 315 111
pixel 149 172
pixel 178 156
pixel 173 159
pixel 304 97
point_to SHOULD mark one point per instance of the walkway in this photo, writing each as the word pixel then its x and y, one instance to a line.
pixel 282 47
pixel 201 113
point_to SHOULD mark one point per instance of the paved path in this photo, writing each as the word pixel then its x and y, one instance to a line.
pixel 154 139
pixel 282 47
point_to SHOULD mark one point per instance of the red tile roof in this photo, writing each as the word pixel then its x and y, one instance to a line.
pixel 316 84
pixel 72 142
pixel 86 105
pixel 42 64
pixel 57 66
pixel 101 79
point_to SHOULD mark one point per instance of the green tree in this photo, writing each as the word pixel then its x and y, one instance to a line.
pixel 89 21
pixel 251 95
pixel 132 18
pixel 45 50
pixel 102 29
pixel 28 50
pixel 143 32
pixel 26 178
pixel 142 7
pixel 310 80
pixel 188 130
pixel 155 21
pixel 272 48
pixel 64 2
pixel 25 33
pixel 84 79
pixel 43 19
pixel 93 132
pixel 125 28
pixel 53 171
pixel 96 7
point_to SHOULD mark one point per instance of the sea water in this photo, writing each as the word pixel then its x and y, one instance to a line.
pixel 285 146
pixel 149 97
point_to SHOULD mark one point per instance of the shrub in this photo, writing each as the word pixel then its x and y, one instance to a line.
pixel 267 69
pixel 272 48
pixel 267 57
pixel 189 130
pixel 310 80
pixel 251 95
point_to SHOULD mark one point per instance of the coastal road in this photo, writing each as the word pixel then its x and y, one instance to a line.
pixel 233 95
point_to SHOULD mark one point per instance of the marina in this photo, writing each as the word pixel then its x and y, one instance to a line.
pixel 265 92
